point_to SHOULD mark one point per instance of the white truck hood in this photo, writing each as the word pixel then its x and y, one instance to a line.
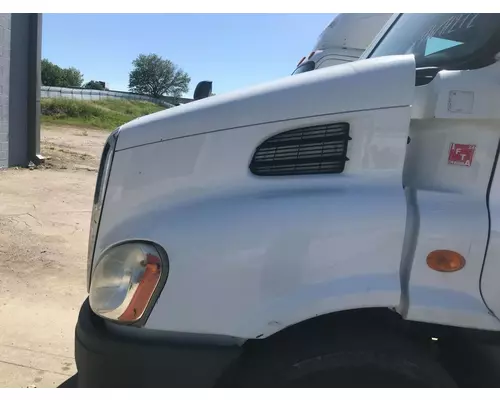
pixel 361 85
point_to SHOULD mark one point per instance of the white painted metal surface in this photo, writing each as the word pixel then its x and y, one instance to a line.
pixel 248 255
pixel 347 88
pixel 346 38
pixel 351 31
pixel 451 198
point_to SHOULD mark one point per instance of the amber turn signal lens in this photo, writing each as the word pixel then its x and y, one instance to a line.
pixel 445 261
pixel 144 291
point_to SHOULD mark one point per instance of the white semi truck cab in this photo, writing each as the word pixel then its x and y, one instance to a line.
pixel 343 40
pixel 334 228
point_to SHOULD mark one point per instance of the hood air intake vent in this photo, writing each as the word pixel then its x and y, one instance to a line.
pixel 317 149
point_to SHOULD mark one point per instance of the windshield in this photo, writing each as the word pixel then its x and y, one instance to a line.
pixel 443 40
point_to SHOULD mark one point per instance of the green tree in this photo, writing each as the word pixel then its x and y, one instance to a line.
pixel 155 76
pixel 96 85
pixel 54 75
pixel 72 77
pixel 51 73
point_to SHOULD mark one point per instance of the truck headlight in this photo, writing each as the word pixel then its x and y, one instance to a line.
pixel 124 281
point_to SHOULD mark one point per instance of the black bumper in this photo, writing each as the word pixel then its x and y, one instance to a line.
pixel 106 359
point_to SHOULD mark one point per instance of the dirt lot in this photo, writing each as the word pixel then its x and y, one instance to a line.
pixel 44 220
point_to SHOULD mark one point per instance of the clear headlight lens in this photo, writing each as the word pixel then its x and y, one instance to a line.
pixel 124 280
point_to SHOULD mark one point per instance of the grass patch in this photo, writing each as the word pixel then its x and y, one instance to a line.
pixel 105 114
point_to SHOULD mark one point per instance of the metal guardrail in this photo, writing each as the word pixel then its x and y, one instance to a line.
pixel 91 94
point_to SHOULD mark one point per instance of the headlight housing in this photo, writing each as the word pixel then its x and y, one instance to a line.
pixel 124 281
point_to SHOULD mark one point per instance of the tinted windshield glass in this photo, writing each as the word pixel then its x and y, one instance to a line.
pixel 439 40
pixel 308 66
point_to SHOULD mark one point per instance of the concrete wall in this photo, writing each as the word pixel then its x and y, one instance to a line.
pixel 18 121
pixel 5 46
pixel 20 42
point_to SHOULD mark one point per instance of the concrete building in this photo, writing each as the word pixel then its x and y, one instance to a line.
pixel 20 57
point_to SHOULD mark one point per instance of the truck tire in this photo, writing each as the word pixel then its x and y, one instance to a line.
pixel 351 359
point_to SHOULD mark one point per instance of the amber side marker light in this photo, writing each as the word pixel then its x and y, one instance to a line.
pixel 144 291
pixel 445 261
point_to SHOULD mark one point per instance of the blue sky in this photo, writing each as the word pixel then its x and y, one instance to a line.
pixel 232 50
